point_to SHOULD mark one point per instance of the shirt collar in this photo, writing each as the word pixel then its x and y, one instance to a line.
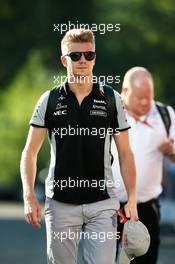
pixel 65 89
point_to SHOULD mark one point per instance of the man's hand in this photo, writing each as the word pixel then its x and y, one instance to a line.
pixel 167 146
pixel 32 210
pixel 131 211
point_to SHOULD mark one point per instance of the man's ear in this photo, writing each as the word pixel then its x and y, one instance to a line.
pixel 64 61
pixel 94 61
pixel 124 90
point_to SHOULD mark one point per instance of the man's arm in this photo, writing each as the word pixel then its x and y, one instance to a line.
pixel 168 149
pixel 168 146
pixel 32 208
pixel 128 172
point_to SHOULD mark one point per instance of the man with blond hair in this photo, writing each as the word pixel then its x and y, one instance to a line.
pixel 80 191
pixel 152 136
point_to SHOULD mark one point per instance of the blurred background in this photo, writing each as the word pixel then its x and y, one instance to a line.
pixel 30 64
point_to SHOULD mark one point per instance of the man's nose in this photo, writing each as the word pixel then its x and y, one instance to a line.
pixel 145 101
pixel 82 59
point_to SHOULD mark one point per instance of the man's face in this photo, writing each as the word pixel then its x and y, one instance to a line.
pixel 81 67
pixel 138 98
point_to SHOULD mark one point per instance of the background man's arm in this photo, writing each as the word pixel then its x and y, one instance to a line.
pixel 168 149
pixel 128 172
pixel 32 208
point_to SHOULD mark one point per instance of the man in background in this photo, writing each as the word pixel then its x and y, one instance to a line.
pixel 150 142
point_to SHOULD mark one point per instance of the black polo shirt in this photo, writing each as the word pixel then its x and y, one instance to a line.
pixel 80 136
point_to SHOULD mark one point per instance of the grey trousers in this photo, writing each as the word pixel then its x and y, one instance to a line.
pixel 95 224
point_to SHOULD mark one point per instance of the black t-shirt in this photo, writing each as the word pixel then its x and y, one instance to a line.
pixel 80 137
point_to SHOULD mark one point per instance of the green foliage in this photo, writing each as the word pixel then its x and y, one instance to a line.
pixel 146 38
pixel 19 100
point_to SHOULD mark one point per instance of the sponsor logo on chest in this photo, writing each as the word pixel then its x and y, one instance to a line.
pixel 99 101
pixel 60 112
pixel 61 98
pixel 101 107
pixel 98 113
pixel 60 106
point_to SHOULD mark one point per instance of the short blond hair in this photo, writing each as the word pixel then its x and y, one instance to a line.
pixel 77 36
